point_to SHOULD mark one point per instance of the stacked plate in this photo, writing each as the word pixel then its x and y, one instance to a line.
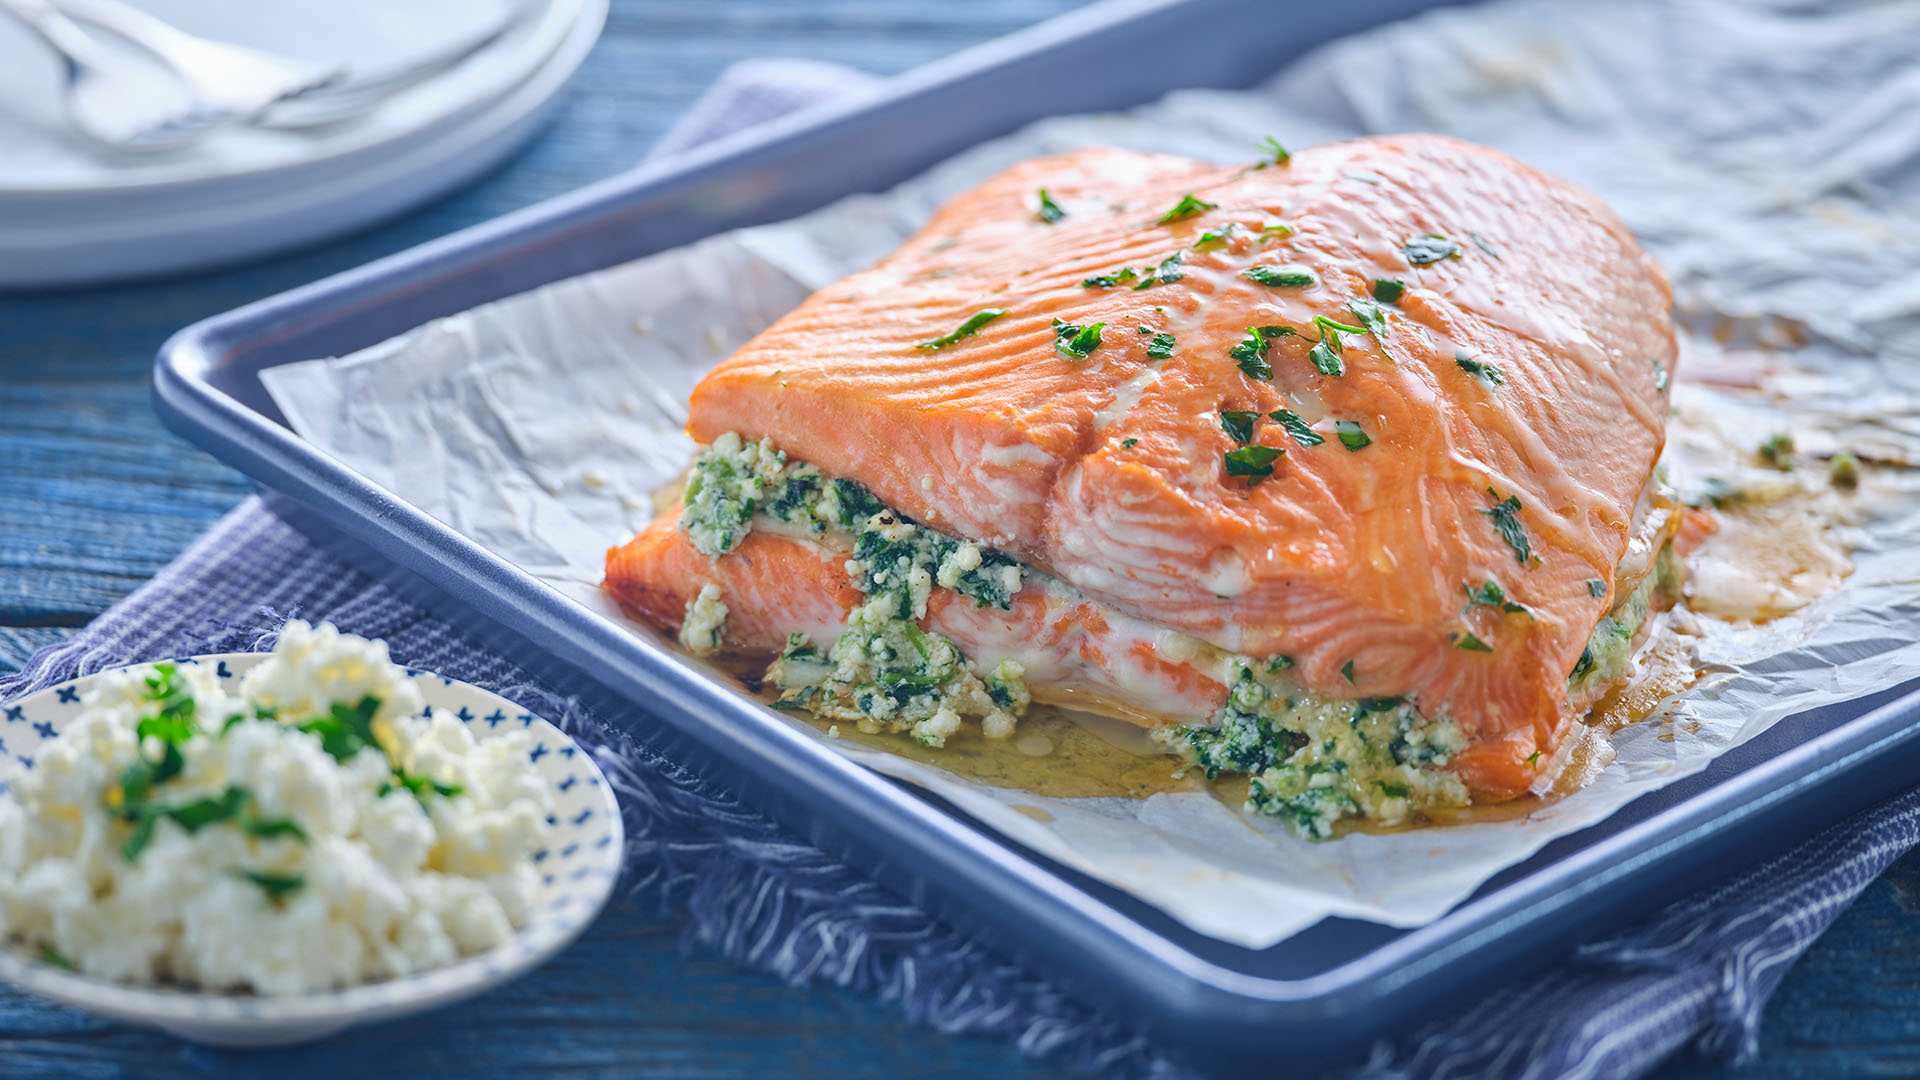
pixel 72 213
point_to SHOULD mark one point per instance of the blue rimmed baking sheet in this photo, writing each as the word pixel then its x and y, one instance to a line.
pixel 1325 991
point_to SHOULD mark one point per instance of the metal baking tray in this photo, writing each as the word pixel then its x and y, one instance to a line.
pixel 1324 994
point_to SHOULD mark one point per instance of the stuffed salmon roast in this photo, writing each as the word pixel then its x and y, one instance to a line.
pixel 1336 470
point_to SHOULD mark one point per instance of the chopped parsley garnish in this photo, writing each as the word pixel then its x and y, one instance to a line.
pixel 1187 207
pixel 1471 643
pixel 345 730
pixel 1347 670
pixel 1146 277
pixel 1506 522
pixel 1166 273
pixel 1480 369
pixel 1278 230
pixel 1238 424
pixel 1428 249
pixel 1481 243
pixel 1279 663
pixel 277 886
pixel 1777 452
pixel 1326 354
pixel 966 329
pixel 1491 594
pixel 1596 587
pixel 1213 238
pixel 1252 353
pixel 1129 443
pixel 53 957
pixel 1371 315
pixel 1276 154
pixel 1076 342
pixel 1126 275
pixel 1253 462
pixel 1296 427
pixel 1049 211
pixel 1279 276
pixel 419 786
pixel 1161 347
pixel 1533 758
pixel 1351 436
pixel 1388 290
pixel 1844 470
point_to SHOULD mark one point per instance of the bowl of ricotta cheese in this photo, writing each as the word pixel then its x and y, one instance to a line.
pixel 257 849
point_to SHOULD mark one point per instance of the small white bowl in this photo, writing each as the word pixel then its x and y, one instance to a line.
pixel 578 871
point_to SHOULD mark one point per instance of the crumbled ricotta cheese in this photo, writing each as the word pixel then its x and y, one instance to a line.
pixel 229 849
pixel 705 618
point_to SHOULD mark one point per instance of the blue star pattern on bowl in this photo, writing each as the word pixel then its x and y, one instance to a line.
pixel 578 869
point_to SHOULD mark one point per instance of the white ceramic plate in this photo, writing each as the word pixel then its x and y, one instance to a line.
pixel 578 870
pixel 72 214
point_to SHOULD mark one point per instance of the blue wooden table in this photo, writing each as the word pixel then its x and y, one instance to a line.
pixel 99 498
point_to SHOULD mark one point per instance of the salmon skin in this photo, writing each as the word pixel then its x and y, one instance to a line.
pixel 1388 410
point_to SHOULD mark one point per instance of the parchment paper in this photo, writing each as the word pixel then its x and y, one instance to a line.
pixel 1763 152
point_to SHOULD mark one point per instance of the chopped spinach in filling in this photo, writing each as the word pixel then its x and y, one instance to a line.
pixel 1315 760
pixel 884 672
pixel 1611 646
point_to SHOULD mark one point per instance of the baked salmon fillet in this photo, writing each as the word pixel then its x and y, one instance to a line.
pixel 1336 470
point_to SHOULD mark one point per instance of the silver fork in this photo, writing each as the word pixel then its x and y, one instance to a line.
pixel 268 90
pixel 233 79
pixel 109 101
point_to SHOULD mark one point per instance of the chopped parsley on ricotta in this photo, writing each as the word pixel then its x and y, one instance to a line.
pixel 313 831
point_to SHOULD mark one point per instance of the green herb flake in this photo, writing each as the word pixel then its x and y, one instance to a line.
pixel 1506 522
pixel 274 828
pixel 1470 643
pixel 1238 424
pixel 277 886
pixel 1480 369
pixel 52 957
pixel 1290 277
pixel 1481 243
pixel 1371 315
pixel 1347 670
pixel 1490 594
pixel 1429 249
pixel 1275 230
pixel 965 330
pixel 1253 462
pixel 201 813
pixel 1351 436
pixel 1076 342
pixel 346 729
pixel 1533 759
pixel 1214 238
pixel 1187 207
pixel 1596 587
pixel 1251 354
pixel 1392 791
pixel 1129 443
pixel 1294 426
pixel 1660 376
pixel 1126 275
pixel 1276 153
pixel 1777 452
pixel 1161 347
pixel 1388 290
pixel 1050 211
pixel 1844 470
pixel 1166 273
pixel 1326 354
pixel 1278 664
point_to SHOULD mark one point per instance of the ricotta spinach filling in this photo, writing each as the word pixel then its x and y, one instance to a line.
pixel 883 673
pixel 1314 760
